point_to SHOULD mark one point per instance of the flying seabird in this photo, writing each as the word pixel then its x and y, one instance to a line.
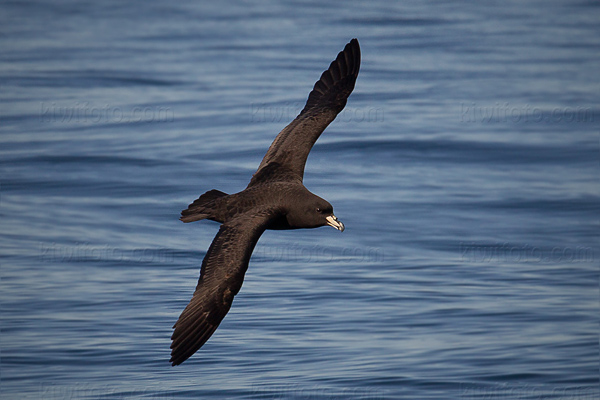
pixel 275 198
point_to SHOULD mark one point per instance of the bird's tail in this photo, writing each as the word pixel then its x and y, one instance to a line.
pixel 203 207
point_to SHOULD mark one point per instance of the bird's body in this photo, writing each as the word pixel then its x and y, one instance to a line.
pixel 274 199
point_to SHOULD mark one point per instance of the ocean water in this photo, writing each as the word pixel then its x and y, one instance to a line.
pixel 465 168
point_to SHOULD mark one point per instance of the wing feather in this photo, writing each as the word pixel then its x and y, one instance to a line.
pixel 291 147
pixel 221 278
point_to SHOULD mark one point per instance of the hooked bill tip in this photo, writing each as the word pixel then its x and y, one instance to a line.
pixel 336 223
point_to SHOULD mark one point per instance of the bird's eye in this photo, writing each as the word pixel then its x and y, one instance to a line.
pixel 318 210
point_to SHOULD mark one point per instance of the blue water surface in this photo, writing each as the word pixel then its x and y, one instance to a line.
pixel 465 168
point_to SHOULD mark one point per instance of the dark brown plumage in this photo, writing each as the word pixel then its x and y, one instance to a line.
pixel 274 199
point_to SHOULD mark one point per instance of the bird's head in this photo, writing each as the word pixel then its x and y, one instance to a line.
pixel 313 213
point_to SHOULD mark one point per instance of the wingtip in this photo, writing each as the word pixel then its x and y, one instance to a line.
pixel 353 45
pixel 341 74
pixel 349 58
pixel 177 357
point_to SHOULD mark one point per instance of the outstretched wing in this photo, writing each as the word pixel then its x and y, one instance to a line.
pixel 290 148
pixel 221 277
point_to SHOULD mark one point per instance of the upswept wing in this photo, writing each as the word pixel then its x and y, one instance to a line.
pixel 290 148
